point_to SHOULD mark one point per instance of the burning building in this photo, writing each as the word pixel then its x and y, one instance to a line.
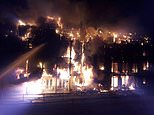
pixel 76 71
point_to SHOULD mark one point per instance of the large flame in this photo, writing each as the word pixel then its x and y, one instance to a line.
pixel 85 72
pixel 83 34
pixel 78 73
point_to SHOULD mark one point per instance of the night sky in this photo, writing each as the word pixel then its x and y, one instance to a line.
pixel 118 14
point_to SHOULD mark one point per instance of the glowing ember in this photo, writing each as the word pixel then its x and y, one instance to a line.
pixel 146 66
pixel 21 23
pixel 114 68
pixel 114 37
pixel 102 67
pixel 26 35
pixel 125 80
pixel 114 82
pixel 131 87
pixel 87 75
pixel 19 72
pixel 57 20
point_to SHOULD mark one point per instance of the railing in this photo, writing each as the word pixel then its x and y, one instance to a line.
pixel 59 97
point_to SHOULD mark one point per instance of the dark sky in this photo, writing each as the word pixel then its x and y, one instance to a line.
pixel 127 14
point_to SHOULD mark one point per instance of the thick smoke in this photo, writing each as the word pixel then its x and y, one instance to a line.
pixel 71 12
pixel 113 15
pixel 107 13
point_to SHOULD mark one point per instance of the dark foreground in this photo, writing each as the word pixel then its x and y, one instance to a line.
pixel 117 105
